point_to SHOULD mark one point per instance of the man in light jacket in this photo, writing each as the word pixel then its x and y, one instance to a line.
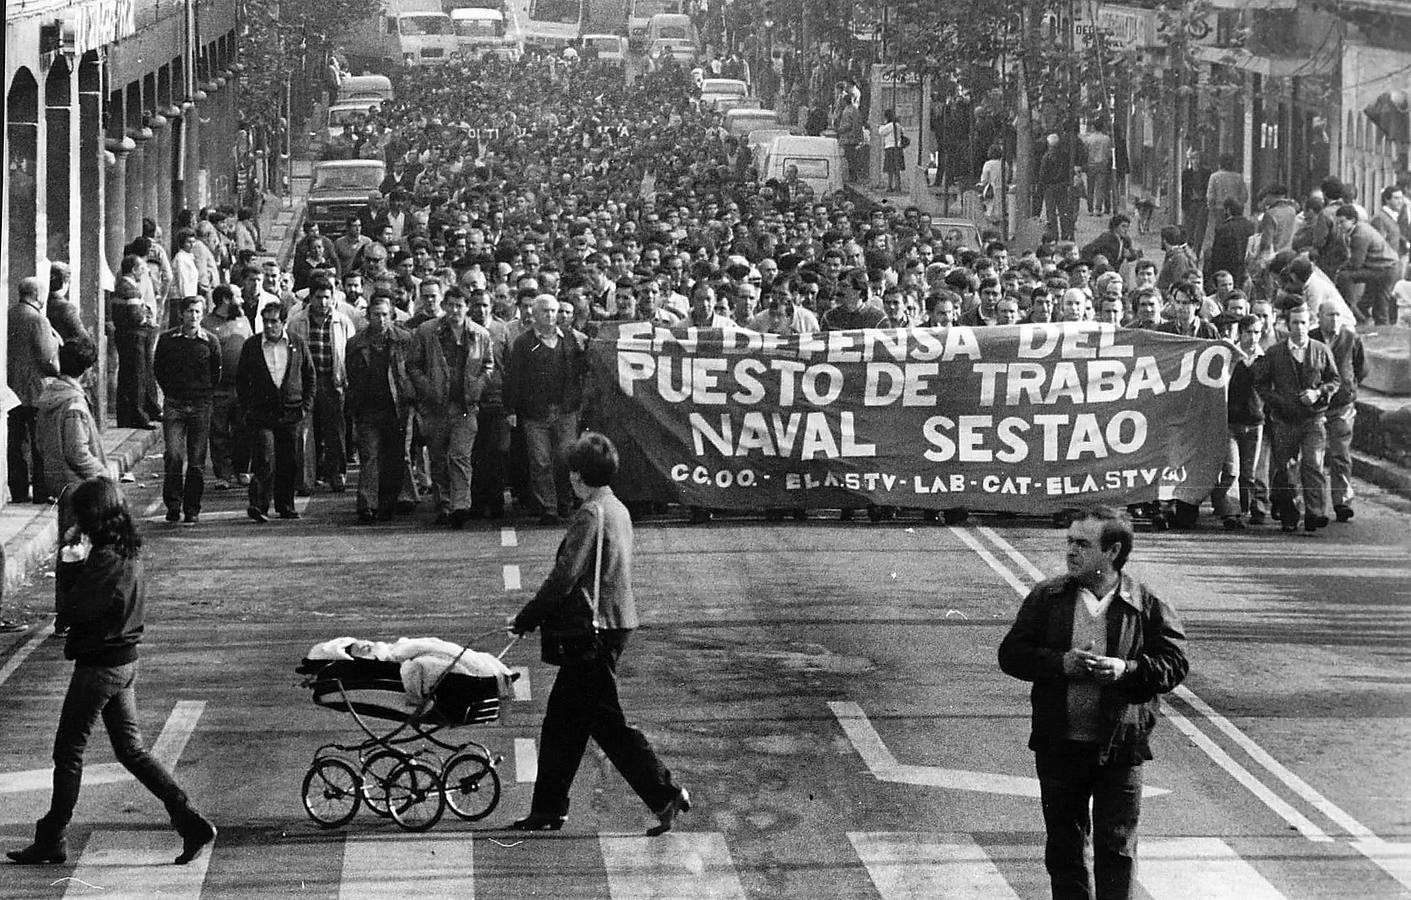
pixel 325 330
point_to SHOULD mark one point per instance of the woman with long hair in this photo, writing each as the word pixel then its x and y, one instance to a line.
pixel 102 589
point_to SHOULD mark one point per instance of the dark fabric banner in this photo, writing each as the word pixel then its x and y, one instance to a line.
pixel 1023 418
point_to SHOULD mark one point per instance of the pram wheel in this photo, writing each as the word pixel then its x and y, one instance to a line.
pixel 332 792
pixel 472 786
pixel 377 769
pixel 414 796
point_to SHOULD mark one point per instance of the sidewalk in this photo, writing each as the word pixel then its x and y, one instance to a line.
pixel 29 532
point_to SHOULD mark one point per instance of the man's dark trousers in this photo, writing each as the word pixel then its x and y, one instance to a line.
pixel 275 465
pixel 1070 776
pixel 186 431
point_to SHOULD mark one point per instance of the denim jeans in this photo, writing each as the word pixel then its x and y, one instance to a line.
pixel 1068 780
pixel 230 440
pixel 382 452
pixel 547 441
pixel 274 464
pixel 1240 460
pixel 26 465
pixel 1296 457
pixel 487 478
pixel 109 692
pixel 186 430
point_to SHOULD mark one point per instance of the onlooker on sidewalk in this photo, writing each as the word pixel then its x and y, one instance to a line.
pixel 33 348
pixel 1225 184
pixel 1099 149
pixel 1370 262
pixel 187 366
pixel 72 445
pixel 62 312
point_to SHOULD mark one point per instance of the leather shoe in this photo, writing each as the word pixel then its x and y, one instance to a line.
pixel 173 515
pixel 37 854
pixel 1313 523
pixel 666 816
pixel 256 514
pixel 1343 513
pixel 537 822
pixel 289 514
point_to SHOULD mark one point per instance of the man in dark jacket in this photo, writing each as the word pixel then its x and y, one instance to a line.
pixel 379 394
pixel 1098 647
pixel 492 438
pixel 543 391
pixel 1227 247
pixel 187 366
pixel 1297 379
pixel 275 384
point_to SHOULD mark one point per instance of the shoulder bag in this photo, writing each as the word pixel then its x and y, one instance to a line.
pixel 570 635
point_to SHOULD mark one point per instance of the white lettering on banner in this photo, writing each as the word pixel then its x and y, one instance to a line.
pixel 776 435
pixel 100 22
pixel 1099 381
pixel 1065 438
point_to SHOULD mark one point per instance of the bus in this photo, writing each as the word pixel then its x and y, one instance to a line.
pixel 553 24
pixel 640 12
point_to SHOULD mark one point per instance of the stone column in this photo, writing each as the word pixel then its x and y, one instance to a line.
pixel 152 174
pixel 134 202
pixel 192 124
pixel 119 151
pixel 165 213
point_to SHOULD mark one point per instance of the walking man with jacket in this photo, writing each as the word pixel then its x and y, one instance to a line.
pixel 325 330
pixel 1345 345
pixel 1099 648
pixel 187 366
pixel 449 361
pixel 275 385
pixel 1297 379
pixel 379 394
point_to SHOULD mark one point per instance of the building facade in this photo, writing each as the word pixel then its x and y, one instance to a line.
pixel 116 111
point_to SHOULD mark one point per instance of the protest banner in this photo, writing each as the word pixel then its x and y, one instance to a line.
pixel 1021 418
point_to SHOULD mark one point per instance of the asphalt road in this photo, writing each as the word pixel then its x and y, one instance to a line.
pixel 827 691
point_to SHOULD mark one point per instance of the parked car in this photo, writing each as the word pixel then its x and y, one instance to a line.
pixel 346 112
pixel 714 90
pixel 366 87
pixel 342 188
pixel 743 120
pixel 683 51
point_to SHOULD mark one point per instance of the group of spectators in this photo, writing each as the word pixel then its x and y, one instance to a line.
pixel 442 342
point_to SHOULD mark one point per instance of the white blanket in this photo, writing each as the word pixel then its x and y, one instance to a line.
pixel 423 660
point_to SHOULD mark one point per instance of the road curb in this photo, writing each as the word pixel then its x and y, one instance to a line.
pixel 1383 473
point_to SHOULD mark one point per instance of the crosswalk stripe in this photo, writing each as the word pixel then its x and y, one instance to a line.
pixel 526 761
pixel 912 866
pixel 1393 859
pixel 136 865
pixel 508 537
pixel 675 865
pixel 1199 869
pixel 428 868
pixel 511 573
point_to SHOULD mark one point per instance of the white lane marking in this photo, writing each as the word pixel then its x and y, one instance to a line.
pixel 1203 868
pixel 19 656
pixel 434 868
pixel 526 761
pixel 909 866
pixel 1015 556
pixel 136 865
pixel 511 577
pixel 1393 859
pixel 302 503
pixel 884 766
pixel 521 684
pixel 153 508
pixel 1276 768
pixel 674 865
pixel 1239 773
pixel 508 537
pixel 167 749
pixel 966 538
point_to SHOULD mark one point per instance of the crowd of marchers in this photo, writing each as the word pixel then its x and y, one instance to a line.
pixel 440 344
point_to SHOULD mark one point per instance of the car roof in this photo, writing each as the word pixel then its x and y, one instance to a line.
pixel 723 82
pixel 348 163
pixel 358 103
pixel 750 112
pixel 475 12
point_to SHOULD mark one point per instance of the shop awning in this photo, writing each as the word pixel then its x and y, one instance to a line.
pixel 1276 66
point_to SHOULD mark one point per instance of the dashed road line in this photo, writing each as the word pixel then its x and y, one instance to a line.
pixel 526 761
pixel 511 573
pixel 508 537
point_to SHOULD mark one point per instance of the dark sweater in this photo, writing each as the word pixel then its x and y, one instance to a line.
pixel 101 599
pixel 540 376
pixel 187 368
pixel 1246 407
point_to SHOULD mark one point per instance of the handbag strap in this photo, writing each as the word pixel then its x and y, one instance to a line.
pixel 597 572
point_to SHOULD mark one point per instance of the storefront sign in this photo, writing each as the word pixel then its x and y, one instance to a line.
pixel 1123 27
pixel 1027 418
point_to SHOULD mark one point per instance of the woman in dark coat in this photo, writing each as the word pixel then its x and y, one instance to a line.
pixel 101 593
pixel 584 702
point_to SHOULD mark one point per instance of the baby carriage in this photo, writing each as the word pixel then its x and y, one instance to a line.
pixel 409 771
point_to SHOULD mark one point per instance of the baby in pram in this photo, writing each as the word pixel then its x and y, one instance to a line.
pixel 423 662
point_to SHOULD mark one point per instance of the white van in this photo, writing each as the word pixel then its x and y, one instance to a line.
pixel 714 90
pixel 365 87
pixel 819 161
pixel 669 27
pixel 742 121
pixel 479 30
pixel 347 112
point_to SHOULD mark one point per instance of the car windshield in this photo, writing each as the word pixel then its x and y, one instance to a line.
pixel 727 87
pixel 563 11
pixel 346 116
pixel 746 124
pixel 418 25
pixel 672 32
pixel 645 9
pixel 809 167
pixel 348 178
pixel 604 43
pixel 479 28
